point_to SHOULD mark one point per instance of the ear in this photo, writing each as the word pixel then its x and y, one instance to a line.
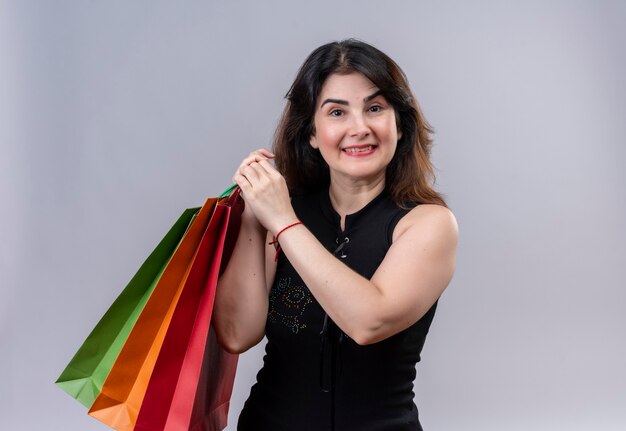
pixel 399 133
pixel 313 142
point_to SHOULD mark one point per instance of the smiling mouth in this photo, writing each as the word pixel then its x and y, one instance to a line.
pixel 359 149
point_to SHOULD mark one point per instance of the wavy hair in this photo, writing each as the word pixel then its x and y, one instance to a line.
pixel 410 174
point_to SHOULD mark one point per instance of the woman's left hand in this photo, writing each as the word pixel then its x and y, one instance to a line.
pixel 264 189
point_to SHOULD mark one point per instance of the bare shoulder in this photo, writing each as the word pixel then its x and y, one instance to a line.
pixel 429 222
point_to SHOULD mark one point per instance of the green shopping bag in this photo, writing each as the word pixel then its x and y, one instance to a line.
pixel 85 374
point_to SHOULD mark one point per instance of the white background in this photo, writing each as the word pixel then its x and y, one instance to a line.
pixel 116 115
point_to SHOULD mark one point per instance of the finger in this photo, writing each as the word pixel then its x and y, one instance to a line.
pixel 268 170
pixel 256 156
pixel 253 158
pixel 268 167
pixel 260 171
pixel 252 173
pixel 264 152
pixel 242 182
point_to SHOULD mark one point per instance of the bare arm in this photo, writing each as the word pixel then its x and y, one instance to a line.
pixel 416 270
pixel 241 300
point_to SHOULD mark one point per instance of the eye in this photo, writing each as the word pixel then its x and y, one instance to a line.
pixel 375 108
pixel 336 113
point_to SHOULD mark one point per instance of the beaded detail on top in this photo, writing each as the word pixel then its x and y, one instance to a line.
pixel 287 304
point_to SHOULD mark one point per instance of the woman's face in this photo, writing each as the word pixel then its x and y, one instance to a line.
pixel 355 128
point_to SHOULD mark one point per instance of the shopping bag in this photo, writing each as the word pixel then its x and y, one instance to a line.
pixel 122 393
pixel 168 403
pixel 217 377
pixel 84 375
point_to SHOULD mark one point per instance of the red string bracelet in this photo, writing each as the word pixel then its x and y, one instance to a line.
pixel 278 234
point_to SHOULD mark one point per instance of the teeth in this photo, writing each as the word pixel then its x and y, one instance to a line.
pixel 359 150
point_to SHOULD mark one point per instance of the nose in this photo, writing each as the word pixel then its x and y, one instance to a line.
pixel 359 127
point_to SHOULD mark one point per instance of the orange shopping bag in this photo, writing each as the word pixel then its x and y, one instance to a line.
pixel 185 356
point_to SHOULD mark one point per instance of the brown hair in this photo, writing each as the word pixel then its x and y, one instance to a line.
pixel 410 173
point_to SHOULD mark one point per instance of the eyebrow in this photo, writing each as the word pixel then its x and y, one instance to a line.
pixel 345 102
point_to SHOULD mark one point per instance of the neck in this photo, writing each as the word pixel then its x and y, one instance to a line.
pixel 349 197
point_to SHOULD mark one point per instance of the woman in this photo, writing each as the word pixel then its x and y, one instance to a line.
pixel 343 252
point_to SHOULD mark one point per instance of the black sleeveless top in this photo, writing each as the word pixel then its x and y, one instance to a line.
pixel 314 376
